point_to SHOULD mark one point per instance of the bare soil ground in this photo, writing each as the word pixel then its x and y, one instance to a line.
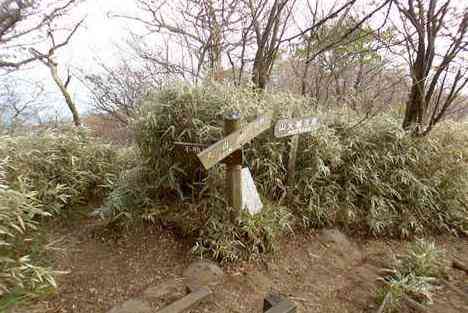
pixel 320 272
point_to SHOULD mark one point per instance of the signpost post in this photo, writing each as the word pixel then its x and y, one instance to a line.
pixel 238 181
pixel 233 164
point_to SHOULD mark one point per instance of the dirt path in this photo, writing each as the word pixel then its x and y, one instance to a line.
pixel 320 272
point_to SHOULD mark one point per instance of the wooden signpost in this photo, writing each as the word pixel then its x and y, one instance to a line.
pixel 240 189
pixel 241 192
pixel 293 127
pixel 235 140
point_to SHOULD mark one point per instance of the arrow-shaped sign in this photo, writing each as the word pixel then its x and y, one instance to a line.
pixel 221 149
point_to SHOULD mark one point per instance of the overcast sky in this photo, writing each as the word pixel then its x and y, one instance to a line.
pixel 96 42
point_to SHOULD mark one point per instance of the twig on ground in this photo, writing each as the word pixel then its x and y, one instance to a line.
pixel 415 305
pixel 460 266
pixel 455 289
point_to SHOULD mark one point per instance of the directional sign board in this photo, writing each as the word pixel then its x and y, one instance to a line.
pixel 295 126
pixel 221 149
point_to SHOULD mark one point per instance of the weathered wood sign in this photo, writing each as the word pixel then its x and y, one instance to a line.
pixel 295 126
pixel 221 149
pixel 188 147
pixel 241 192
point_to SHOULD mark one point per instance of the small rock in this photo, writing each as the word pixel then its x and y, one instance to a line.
pixel 334 236
pixel 341 244
pixel 203 274
pixel 132 306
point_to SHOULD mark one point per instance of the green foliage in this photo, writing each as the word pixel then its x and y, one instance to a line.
pixel 172 188
pixel 248 236
pixel 44 174
pixel 377 178
pixel 64 167
pixel 19 270
pixel 195 115
pixel 359 48
pixel 373 177
pixel 414 274
pixel 423 258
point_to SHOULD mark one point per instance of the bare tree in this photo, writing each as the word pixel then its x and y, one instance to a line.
pixel 49 60
pixel 196 29
pixel 269 23
pixel 20 101
pixel 22 25
pixel 271 19
pixel 118 90
pixel 434 36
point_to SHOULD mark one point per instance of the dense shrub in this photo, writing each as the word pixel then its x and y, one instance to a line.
pixel 414 274
pixel 19 270
pixel 196 115
pixel 63 167
pixel 172 188
pixel 372 177
pixel 378 178
pixel 43 174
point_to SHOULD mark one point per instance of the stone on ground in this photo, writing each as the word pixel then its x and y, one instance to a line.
pixel 340 243
pixel 202 274
pixel 133 306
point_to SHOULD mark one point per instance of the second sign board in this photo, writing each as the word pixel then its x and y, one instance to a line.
pixel 295 126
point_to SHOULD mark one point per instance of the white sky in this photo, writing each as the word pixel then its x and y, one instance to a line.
pixel 97 42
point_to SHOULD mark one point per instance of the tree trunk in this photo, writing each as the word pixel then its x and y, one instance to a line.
pixel 65 93
pixel 415 108
pixel 416 105
pixel 260 76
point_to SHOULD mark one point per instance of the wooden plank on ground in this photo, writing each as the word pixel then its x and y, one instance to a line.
pixel 295 126
pixel 221 149
pixel 187 302
pixel 283 307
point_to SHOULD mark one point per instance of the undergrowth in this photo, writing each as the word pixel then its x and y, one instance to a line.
pixel 20 270
pixel 414 274
pixel 44 175
pixel 64 168
pixel 374 177
pixel 380 179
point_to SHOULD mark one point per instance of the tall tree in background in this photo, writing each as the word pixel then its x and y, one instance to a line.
pixel 49 60
pixel 23 24
pixel 269 22
pixel 350 73
pixel 434 36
